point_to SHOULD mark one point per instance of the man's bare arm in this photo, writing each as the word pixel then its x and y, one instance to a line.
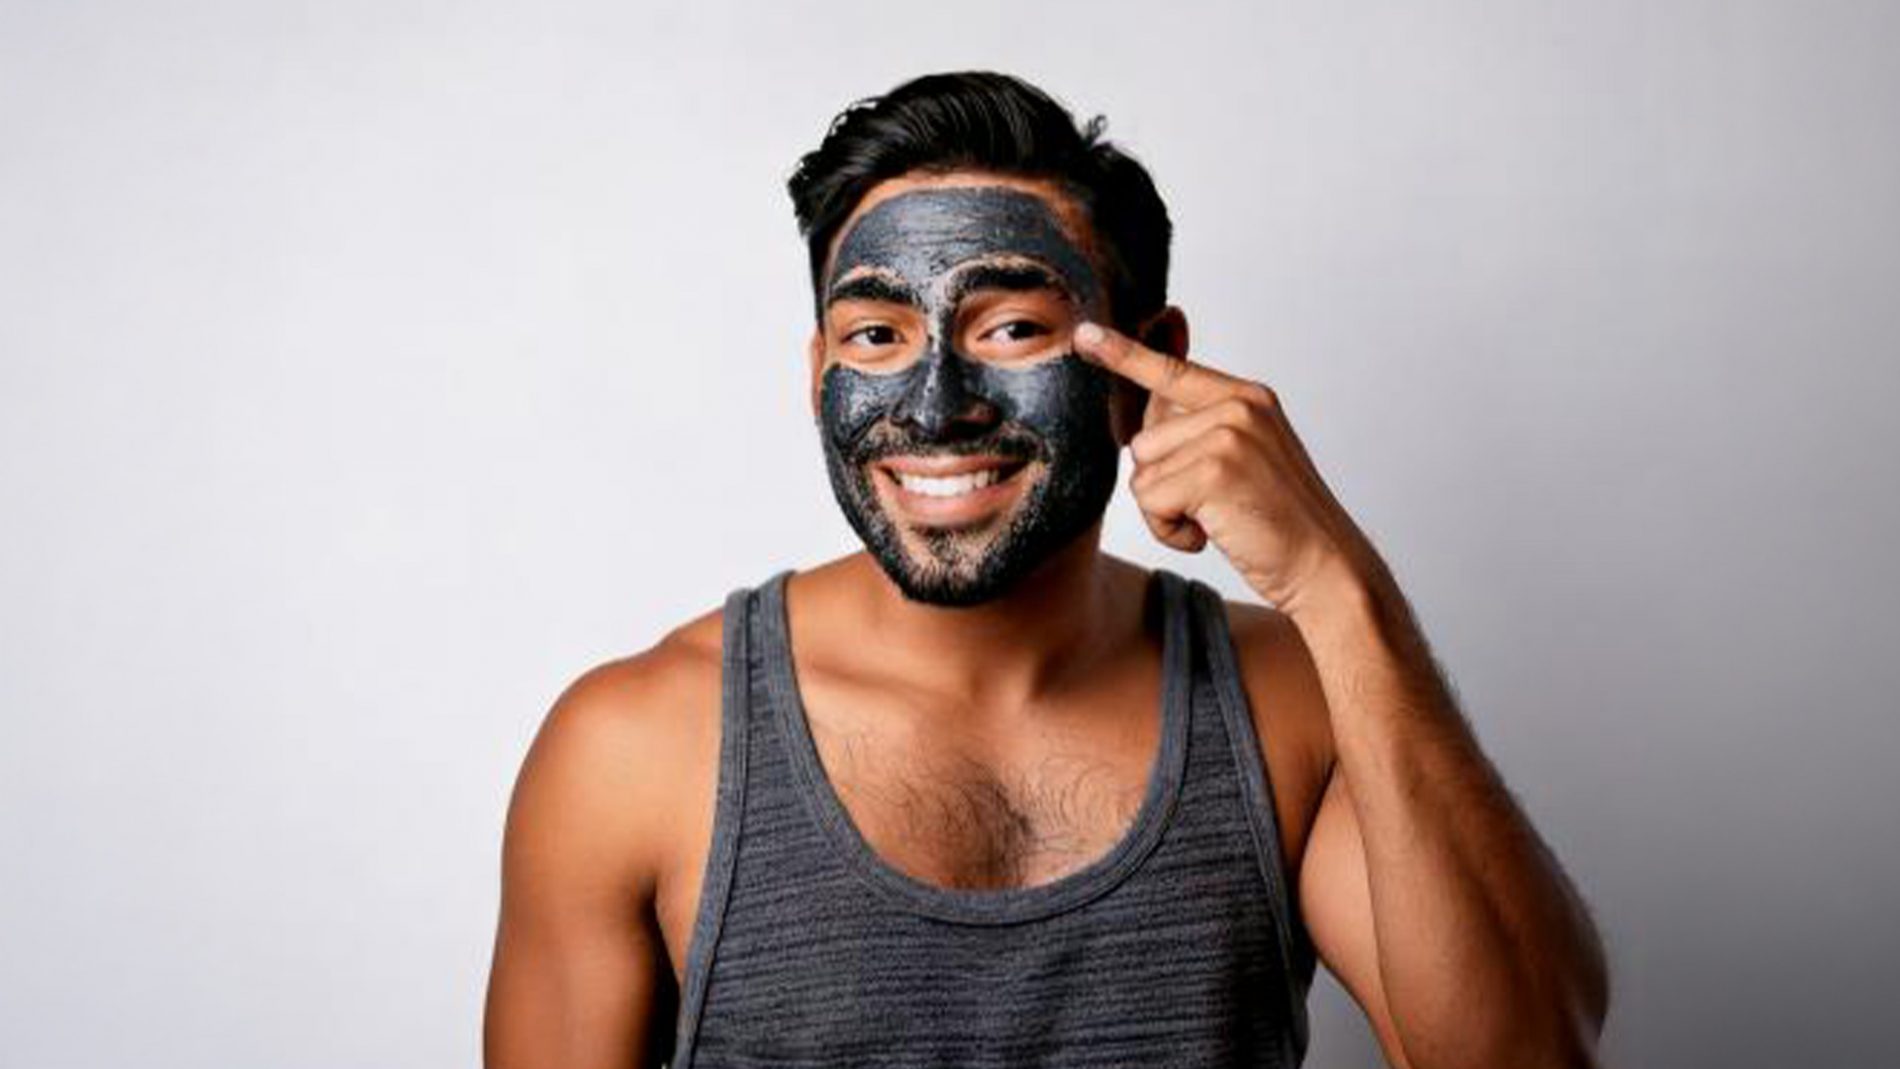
pixel 580 978
pixel 1425 887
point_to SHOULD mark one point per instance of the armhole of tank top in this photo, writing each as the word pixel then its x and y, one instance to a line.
pixel 1256 788
pixel 729 802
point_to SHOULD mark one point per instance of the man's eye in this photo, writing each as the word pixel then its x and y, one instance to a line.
pixel 875 334
pixel 1019 329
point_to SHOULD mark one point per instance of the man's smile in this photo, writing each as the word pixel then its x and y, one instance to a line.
pixel 949 490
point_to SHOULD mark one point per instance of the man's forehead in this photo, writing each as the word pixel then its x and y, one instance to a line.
pixel 921 233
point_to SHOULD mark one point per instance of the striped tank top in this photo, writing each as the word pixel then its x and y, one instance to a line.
pixel 1177 948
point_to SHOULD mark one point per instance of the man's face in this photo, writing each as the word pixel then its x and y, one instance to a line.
pixel 965 440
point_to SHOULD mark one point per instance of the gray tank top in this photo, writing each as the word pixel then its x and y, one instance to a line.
pixel 1178 947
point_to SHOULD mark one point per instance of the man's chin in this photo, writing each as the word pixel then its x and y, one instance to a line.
pixel 943 565
pixel 938 565
pixel 931 586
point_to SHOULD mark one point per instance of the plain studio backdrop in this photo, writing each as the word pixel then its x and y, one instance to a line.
pixel 370 370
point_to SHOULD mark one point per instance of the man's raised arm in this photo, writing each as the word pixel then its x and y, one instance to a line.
pixel 1424 887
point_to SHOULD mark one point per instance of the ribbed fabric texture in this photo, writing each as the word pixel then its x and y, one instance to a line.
pixel 1177 948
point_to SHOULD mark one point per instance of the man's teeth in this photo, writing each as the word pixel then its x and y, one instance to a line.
pixel 950 486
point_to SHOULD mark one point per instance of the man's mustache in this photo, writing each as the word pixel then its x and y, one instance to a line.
pixel 1012 441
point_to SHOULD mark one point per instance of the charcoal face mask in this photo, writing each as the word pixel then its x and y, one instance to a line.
pixel 1055 411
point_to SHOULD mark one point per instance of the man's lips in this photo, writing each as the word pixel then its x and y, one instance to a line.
pixel 938 467
pixel 950 491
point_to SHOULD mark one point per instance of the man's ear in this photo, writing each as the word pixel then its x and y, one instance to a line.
pixel 815 352
pixel 1166 332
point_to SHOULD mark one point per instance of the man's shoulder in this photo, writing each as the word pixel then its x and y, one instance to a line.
pixel 683 657
pixel 619 746
pixel 1276 664
pixel 659 690
pixel 670 688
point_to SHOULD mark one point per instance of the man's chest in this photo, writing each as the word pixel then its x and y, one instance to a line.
pixel 997 808
pixel 955 799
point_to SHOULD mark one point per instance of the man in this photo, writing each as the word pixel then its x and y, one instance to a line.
pixel 921 806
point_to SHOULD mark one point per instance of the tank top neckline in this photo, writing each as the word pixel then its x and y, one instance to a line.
pixel 987 905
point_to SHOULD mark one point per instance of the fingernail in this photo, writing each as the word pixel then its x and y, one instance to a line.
pixel 1088 333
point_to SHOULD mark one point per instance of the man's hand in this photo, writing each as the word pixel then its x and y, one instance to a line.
pixel 1216 459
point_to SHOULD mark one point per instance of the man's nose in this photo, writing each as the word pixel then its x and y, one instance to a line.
pixel 940 404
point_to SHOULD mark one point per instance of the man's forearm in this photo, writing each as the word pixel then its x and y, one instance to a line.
pixel 1486 954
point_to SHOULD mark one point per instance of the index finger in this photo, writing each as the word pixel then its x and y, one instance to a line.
pixel 1173 378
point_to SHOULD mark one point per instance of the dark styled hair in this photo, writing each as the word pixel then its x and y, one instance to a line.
pixel 983 120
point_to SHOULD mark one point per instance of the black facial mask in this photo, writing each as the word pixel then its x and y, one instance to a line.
pixel 1055 411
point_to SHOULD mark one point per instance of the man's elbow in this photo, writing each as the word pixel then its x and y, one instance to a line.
pixel 1548 1024
pixel 1567 1030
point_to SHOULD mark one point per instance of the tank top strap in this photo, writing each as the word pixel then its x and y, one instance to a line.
pixel 1218 666
pixel 736 646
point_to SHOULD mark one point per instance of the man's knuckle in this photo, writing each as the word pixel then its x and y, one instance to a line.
pixel 1172 370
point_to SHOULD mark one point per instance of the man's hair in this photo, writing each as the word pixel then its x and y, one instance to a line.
pixel 986 121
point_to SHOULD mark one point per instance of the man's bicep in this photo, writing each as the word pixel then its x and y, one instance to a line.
pixel 1336 904
pixel 580 975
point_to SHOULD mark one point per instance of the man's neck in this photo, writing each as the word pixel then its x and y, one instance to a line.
pixel 1003 655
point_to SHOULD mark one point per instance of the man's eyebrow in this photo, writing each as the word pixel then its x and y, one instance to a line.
pixel 873 288
pixel 1019 278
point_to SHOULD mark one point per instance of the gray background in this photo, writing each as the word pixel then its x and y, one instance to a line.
pixel 369 370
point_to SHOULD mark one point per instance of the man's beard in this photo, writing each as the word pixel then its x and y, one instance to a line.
pixel 1077 476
